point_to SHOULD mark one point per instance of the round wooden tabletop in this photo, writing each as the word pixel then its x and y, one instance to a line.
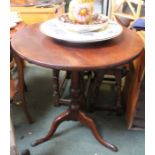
pixel 30 44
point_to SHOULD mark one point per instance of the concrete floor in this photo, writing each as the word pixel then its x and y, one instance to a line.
pixel 71 138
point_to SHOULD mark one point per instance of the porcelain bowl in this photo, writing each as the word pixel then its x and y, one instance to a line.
pixel 86 27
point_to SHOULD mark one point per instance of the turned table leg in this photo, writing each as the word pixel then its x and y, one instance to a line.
pixel 119 109
pixel 79 116
pixel 73 113
pixel 94 89
pixel 21 86
pixel 70 114
pixel 56 93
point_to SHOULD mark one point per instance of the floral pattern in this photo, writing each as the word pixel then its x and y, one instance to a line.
pixel 83 13
pixel 53 29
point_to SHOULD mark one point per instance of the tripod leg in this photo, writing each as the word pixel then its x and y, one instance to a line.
pixel 90 123
pixel 62 117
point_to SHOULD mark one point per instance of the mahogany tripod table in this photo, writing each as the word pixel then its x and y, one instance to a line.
pixel 31 45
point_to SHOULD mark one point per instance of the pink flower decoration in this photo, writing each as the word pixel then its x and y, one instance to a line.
pixel 77 13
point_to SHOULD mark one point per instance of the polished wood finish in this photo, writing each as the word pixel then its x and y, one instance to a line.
pixel 37 48
pixel 90 123
pixel 132 87
pixel 31 45
pixel 18 85
pixel 62 117
pixel 16 28
pixel 21 86
pixel 84 120
pixel 73 113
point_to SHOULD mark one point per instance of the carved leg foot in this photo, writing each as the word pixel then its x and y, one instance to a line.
pixel 62 117
pixel 90 123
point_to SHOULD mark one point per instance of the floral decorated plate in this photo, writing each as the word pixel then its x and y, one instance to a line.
pixel 54 29
pixel 98 21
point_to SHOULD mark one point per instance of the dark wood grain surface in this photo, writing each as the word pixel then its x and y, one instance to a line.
pixel 30 44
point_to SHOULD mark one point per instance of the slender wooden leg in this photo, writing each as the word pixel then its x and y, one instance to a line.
pixel 21 86
pixel 56 93
pixel 62 117
pixel 73 113
pixel 79 116
pixel 70 114
pixel 94 89
pixel 75 93
pixel 118 92
pixel 25 86
pixel 90 123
